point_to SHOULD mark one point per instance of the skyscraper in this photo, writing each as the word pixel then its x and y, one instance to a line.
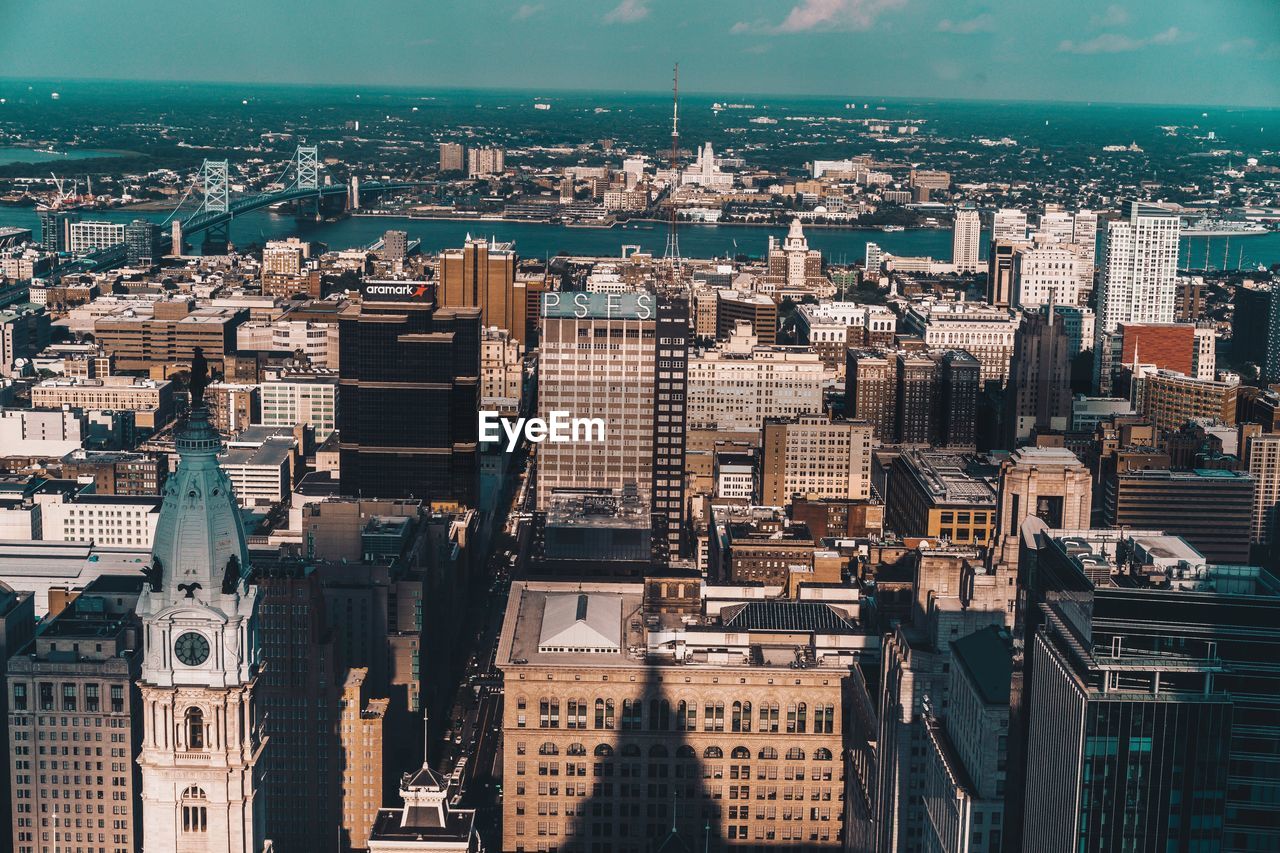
pixel 482 274
pixel 408 396
pixel 965 239
pixel 1009 224
pixel 1150 695
pixel 1000 273
pixel 203 734
pixel 141 243
pixel 1039 395
pixel 620 358
pixel 1139 282
pixel 451 157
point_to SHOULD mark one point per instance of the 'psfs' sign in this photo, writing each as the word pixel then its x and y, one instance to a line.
pixel 600 306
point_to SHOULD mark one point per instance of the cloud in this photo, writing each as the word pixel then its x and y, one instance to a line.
pixel 983 23
pixel 628 12
pixel 825 15
pixel 758 49
pixel 526 11
pixel 1240 45
pixel 1114 16
pixel 1117 43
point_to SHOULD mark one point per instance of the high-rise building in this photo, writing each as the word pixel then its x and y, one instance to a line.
pixel 985 332
pixel 364 758
pixel 605 356
pixel 1139 280
pixel 1140 653
pixel 485 161
pixel 1212 509
pixel 395 245
pixel 75 683
pixel 966 237
pixel 141 243
pixel 482 274
pixel 1000 275
pixel 1049 483
pixel 1261 455
pixel 451 157
pixel 872 261
pixel 409 389
pixel 55 229
pixel 757 309
pixel 1009 224
pixel 298 692
pixel 915 397
pixel 89 236
pixel 739 383
pixel 1039 394
pixel 1169 399
pixel 1045 274
pixel 959 381
pixel 815 457
pixel 285 257
pixel 792 262
pixel 202 726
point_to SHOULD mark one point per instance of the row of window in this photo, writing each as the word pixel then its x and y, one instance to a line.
pixel 684 715
pixel 70 696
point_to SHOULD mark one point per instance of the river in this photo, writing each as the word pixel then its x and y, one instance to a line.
pixel 537 239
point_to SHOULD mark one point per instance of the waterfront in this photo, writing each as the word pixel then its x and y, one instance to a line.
pixel 31 155
pixel 539 239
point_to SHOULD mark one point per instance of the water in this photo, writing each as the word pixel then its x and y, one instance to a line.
pixel 30 155
pixel 537 239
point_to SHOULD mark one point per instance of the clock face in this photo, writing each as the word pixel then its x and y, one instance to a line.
pixel 192 649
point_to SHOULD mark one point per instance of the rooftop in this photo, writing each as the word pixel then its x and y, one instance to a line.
pixel 987 658
pixel 952 478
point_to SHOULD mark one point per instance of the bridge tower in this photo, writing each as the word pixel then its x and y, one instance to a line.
pixel 354 193
pixel 308 167
pixel 217 199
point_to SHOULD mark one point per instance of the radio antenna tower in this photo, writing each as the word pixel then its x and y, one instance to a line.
pixel 672 253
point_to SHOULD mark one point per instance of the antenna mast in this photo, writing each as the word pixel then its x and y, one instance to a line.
pixel 673 240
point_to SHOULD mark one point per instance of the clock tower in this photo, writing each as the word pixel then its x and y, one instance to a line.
pixel 203 735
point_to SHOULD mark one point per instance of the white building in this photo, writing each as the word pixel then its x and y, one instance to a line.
pixel 1044 274
pixel 87 236
pixel 965 239
pixel 706 171
pixel 307 397
pixel 285 257
pixel 737 385
pixel 501 372
pixel 114 520
pixel 317 341
pixel 1139 279
pixel 874 258
pixel 1009 223
pixel 259 468
pixel 987 333
pixel 28 432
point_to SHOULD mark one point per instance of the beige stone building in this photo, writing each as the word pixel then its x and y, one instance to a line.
pixel 635 709
pixel 360 729
pixel 816 457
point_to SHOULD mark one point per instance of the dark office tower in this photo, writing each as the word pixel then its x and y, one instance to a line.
pixel 141 243
pixel 55 229
pixel 1000 273
pixel 1039 395
pixel 1152 702
pixel 958 374
pixel 17 626
pixel 482 274
pixel 1250 323
pixel 299 691
pixel 671 378
pixel 917 384
pixel 870 391
pixel 408 397
pixel 1271 367
pixel 1211 509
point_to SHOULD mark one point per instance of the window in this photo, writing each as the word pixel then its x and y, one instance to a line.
pixel 19 697
pixel 713 752
pixel 117 698
pixel 46 696
pixel 194 811
pixel 194 721
pixel 91 697
pixel 68 697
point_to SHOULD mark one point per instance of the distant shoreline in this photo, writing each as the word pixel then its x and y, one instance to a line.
pixel 622 226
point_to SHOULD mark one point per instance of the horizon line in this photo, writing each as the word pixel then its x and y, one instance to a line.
pixel 664 93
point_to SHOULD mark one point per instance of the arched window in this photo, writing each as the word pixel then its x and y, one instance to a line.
pixel 548 748
pixel 822 754
pixel 746 716
pixel 658 751
pixel 195 812
pixel 685 751
pixel 795 753
pixel 713 752
pixel 194 722
pixel 659 715
pixel 630 750
pixel 768 754
pixel 604 750
pixel 576 749
pixel 740 752
pixel 736 717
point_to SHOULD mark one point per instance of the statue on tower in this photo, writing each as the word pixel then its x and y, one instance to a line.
pixel 199 378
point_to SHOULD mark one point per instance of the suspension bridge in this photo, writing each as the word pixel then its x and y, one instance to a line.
pixel 208 206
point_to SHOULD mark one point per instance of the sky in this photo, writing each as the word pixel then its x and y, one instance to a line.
pixel 1131 51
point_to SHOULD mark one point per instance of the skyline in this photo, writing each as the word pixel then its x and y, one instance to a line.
pixel 1176 53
